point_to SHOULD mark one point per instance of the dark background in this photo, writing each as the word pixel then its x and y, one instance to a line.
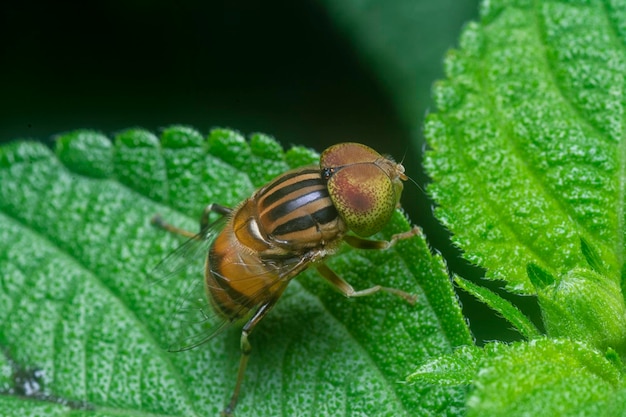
pixel 278 67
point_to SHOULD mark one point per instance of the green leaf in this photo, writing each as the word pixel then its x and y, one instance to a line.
pixel 76 256
pixel 543 377
pixel 528 163
pixel 592 256
pixel 546 377
pixel 527 150
pixel 507 310
pixel 539 277
pixel 585 305
pixel 6 374
pixel 458 368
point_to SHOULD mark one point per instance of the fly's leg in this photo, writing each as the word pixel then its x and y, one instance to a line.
pixel 360 243
pixel 246 348
pixel 212 208
pixel 158 221
pixel 346 289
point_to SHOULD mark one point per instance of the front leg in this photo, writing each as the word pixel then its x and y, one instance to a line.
pixel 346 289
pixel 361 243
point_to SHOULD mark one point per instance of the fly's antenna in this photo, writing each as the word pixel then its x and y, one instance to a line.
pixel 419 187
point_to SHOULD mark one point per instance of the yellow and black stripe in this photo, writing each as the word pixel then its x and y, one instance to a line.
pixel 295 206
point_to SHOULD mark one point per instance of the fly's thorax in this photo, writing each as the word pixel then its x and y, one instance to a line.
pixel 295 211
pixel 246 228
pixel 365 187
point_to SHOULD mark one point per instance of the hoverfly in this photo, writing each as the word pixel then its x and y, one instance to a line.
pixel 295 221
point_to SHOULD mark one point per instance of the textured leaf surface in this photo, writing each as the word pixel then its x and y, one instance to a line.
pixel 77 251
pixel 542 377
pixel 527 147
pixel 458 368
pixel 546 377
pixel 508 311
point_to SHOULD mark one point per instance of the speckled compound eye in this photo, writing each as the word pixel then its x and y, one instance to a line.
pixel 364 186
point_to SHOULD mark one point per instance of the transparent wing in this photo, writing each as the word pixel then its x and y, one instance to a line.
pixel 181 274
pixel 188 256
pixel 193 320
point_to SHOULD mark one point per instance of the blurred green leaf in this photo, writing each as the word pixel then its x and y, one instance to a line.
pixel 77 251
pixel 402 42
pixel 6 374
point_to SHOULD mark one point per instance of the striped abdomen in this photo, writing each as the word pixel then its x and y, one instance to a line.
pixel 285 221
